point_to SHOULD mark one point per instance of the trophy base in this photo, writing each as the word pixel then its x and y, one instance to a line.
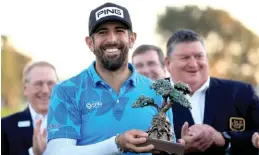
pixel 165 146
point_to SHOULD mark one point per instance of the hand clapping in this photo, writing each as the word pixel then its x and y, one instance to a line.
pixel 200 137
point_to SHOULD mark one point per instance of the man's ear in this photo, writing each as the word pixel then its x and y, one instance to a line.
pixel 132 39
pixel 167 63
pixel 90 43
pixel 164 68
pixel 25 91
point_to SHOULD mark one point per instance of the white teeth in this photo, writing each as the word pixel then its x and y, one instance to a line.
pixel 112 50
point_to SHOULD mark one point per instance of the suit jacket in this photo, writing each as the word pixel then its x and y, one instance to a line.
pixel 16 140
pixel 229 105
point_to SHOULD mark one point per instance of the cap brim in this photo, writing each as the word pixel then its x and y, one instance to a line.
pixel 114 18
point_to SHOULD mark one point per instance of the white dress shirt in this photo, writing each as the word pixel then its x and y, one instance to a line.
pixel 35 117
pixel 197 101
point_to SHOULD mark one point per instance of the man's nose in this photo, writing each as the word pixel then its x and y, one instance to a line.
pixel 112 37
pixel 192 62
pixel 45 88
pixel 145 70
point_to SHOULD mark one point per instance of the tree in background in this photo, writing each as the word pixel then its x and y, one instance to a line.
pixel 12 64
pixel 233 50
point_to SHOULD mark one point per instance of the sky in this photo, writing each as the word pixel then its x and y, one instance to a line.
pixel 54 30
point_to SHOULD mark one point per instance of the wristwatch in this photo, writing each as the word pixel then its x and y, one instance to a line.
pixel 227 138
pixel 117 143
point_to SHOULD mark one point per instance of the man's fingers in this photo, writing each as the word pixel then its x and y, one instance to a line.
pixel 191 139
pixel 136 141
pixel 138 133
pixel 38 123
pixel 185 129
pixel 206 139
pixel 132 140
pixel 200 139
pixel 44 134
pixel 196 137
pixel 147 148
pixel 181 141
pixel 257 136
pixel 255 139
pixel 136 137
pixel 205 145
pixel 37 126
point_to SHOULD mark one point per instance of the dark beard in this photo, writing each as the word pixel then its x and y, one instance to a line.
pixel 109 63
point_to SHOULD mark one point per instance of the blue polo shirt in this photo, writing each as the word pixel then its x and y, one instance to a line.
pixel 87 109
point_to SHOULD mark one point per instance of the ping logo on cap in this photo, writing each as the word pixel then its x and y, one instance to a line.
pixel 109 11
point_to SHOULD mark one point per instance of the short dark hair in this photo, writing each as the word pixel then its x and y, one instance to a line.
pixel 145 48
pixel 183 35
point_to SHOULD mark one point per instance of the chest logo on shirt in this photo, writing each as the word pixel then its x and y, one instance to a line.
pixel 237 124
pixel 93 105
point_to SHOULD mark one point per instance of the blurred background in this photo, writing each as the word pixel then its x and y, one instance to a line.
pixel 55 30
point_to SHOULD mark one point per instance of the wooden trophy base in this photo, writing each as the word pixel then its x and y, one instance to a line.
pixel 165 146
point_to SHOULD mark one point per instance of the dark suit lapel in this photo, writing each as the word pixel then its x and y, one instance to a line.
pixel 211 101
pixel 26 132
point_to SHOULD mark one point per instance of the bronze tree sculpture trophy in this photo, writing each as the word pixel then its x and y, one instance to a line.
pixel 161 134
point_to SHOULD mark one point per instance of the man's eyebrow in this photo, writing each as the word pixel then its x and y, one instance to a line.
pixel 182 54
pixel 120 27
pixel 104 28
pixel 151 61
pixel 137 63
pixel 202 53
pixel 101 28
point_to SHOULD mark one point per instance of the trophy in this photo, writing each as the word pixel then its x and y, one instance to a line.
pixel 161 133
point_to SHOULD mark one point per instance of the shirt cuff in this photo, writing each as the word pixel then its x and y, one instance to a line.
pixel 30 151
pixel 113 145
pixel 228 148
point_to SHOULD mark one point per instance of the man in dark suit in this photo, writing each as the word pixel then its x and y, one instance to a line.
pixel 224 113
pixel 25 132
